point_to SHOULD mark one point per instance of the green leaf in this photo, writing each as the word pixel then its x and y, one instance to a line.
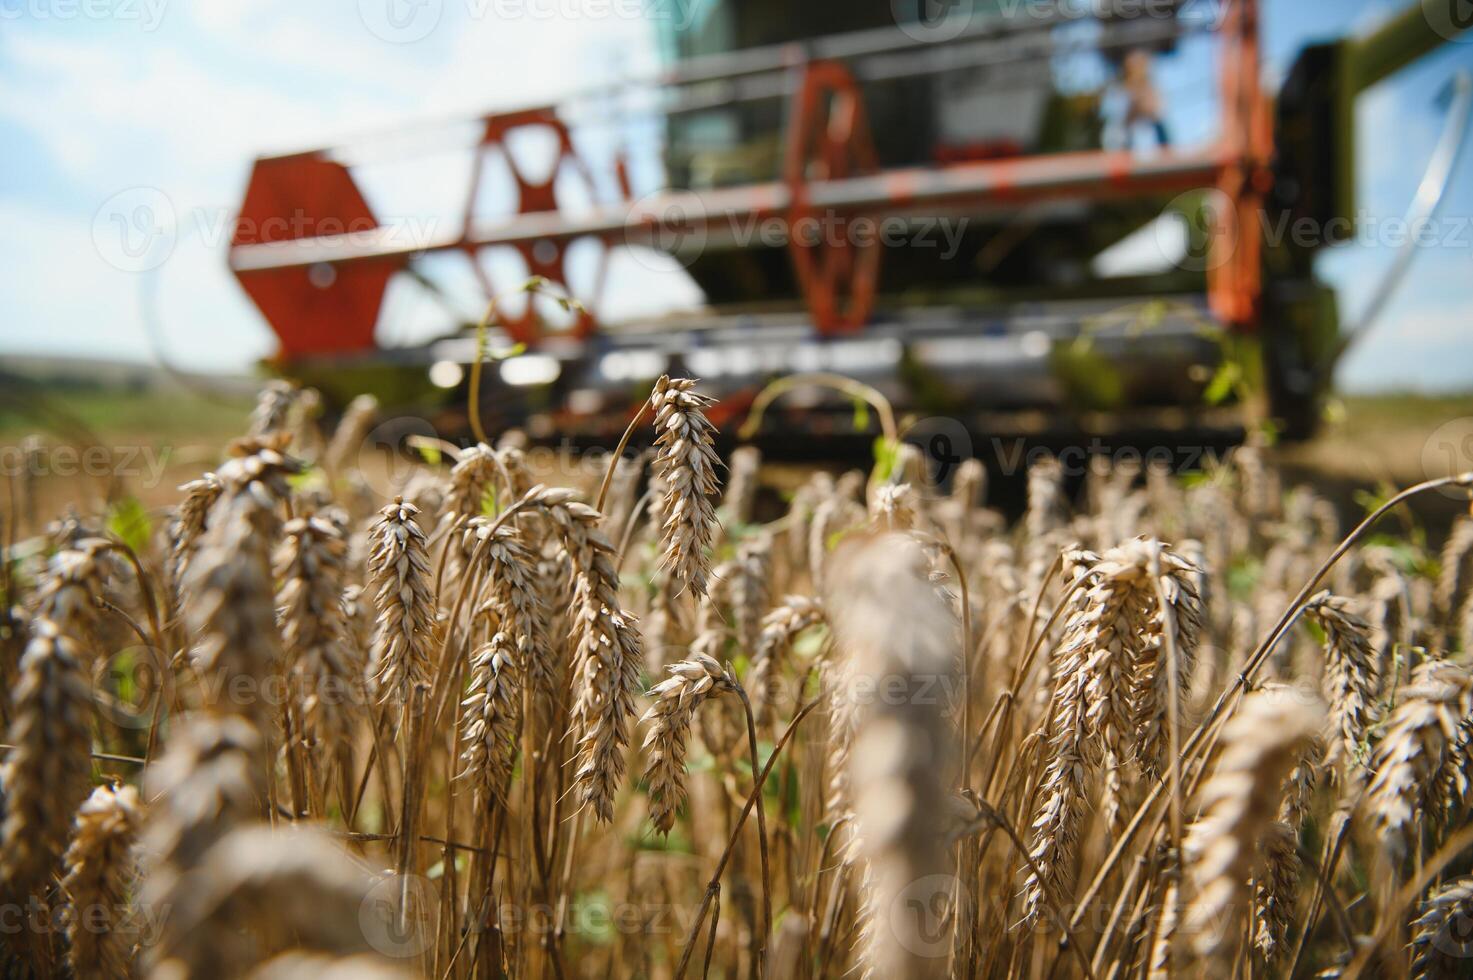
pixel 502 353
pixel 1226 381
pixel 129 522
pixel 886 454
pixel 489 507
pixel 861 415
pixel 429 452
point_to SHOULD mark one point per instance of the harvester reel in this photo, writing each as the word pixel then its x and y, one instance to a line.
pixel 544 257
pixel 829 139
pixel 319 309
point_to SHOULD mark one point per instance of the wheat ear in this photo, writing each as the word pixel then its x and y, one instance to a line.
pixel 899 629
pixel 686 461
pixel 1440 942
pixel 188 525
pixel 260 891
pixel 780 628
pixel 314 626
pixel 493 711
pixel 48 772
pixel 100 873
pixel 1275 884
pixel 1420 765
pixel 351 430
pixel 75 579
pixel 399 575
pixel 690 684
pixel 272 414
pixel 1349 680
pixel 1237 805
pixel 608 655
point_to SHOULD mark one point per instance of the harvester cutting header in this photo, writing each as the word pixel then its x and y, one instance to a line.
pixel 852 144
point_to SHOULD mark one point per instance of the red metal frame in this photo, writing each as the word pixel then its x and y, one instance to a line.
pixel 828 139
pixel 545 257
pixel 829 168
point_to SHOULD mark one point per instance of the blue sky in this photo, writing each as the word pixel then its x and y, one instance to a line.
pixel 154 109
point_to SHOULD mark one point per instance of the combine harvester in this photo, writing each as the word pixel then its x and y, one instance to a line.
pixel 851 146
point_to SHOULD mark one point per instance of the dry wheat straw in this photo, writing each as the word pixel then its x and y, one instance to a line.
pixel 687 463
pixel 99 879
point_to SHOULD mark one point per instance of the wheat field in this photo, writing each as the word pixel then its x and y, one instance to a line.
pixel 458 723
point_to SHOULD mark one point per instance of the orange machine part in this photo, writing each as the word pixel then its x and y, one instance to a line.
pixel 320 309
